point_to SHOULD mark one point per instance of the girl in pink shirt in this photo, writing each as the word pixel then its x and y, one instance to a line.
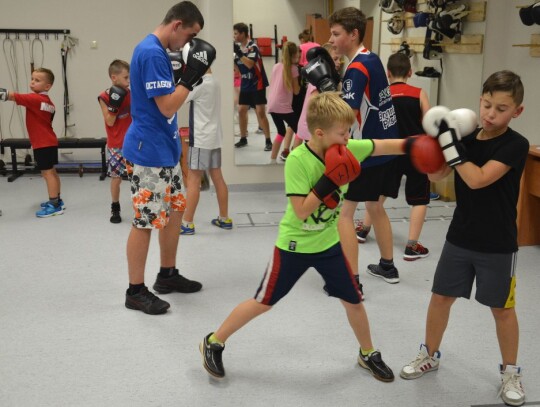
pixel 283 85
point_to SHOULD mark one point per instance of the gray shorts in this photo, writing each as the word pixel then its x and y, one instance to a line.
pixel 204 159
pixel 495 275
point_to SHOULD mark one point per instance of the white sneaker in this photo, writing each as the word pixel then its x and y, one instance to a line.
pixel 422 364
pixel 511 391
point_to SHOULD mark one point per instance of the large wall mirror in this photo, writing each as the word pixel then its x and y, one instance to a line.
pixel 290 18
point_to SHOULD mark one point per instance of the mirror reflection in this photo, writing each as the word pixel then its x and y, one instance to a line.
pixel 268 90
pixel 269 26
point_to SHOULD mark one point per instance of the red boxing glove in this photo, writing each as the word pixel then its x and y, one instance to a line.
pixel 341 168
pixel 425 153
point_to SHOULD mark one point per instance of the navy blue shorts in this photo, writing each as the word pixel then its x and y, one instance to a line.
pixel 286 268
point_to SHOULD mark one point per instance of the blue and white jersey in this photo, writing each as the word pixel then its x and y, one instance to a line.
pixel 152 140
pixel 365 89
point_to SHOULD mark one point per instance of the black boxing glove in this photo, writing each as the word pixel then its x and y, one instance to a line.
pixel 198 55
pixel 324 54
pixel 177 65
pixel 4 94
pixel 117 95
pixel 318 73
pixel 238 50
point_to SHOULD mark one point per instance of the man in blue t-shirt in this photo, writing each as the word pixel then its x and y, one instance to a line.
pixel 152 150
pixel 365 88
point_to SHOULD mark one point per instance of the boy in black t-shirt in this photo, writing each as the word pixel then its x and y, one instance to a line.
pixel 481 242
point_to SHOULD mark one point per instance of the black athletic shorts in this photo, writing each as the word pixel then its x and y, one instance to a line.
pixel 46 157
pixel 371 184
pixel 255 98
pixel 416 183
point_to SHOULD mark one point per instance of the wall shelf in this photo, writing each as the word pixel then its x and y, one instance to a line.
pixel 470 44
pixel 534 46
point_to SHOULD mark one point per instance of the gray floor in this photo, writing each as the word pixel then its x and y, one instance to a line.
pixel 253 153
pixel 67 340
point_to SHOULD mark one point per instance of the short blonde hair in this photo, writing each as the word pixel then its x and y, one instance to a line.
pixel 326 110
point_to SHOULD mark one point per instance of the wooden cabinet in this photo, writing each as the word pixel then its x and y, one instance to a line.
pixel 319 28
pixel 528 207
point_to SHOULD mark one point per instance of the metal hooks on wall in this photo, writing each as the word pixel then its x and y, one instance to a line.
pixel 17 33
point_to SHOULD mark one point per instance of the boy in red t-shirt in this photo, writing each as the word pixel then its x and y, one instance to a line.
pixel 39 115
pixel 115 105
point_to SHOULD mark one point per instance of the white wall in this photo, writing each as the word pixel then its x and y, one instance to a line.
pixel 504 28
pixel 119 25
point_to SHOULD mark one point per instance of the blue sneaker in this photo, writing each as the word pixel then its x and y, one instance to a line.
pixel 61 202
pixel 433 196
pixel 223 224
pixel 188 229
pixel 49 210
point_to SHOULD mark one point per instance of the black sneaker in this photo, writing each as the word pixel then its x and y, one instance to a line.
pixel 390 276
pixel 241 143
pixel 374 363
pixel 415 252
pixel 211 353
pixel 146 302
pixel 115 213
pixel 268 146
pixel 166 285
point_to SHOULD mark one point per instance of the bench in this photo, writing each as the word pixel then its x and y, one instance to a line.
pixel 71 143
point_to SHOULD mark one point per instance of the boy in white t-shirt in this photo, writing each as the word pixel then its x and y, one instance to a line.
pixel 205 140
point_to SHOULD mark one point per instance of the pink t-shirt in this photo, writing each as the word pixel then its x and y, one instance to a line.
pixel 303 131
pixel 279 97
pixel 304 48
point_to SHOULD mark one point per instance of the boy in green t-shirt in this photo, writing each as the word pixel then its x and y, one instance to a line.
pixel 308 235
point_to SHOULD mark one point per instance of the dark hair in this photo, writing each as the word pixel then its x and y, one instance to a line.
pixel 48 74
pixel 241 28
pixel 185 11
pixel 305 36
pixel 505 81
pixel 350 18
pixel 118 66
pixel 399 65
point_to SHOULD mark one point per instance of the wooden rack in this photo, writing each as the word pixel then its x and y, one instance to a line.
pixel 470 44
pixel 534 46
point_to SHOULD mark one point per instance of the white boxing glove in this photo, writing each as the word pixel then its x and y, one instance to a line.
pixel 432 119
pixel 453 126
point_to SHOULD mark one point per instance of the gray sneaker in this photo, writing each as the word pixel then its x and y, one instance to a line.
pixel 511 391
pixel 390 276
pixel 422 364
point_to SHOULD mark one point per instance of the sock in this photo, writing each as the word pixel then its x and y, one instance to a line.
pixel 55 201
pixel 366 352
pixel 223 218
pixel 411 242
pixel 273 161
pixel 186 223
pixel 386 264
pixel 135 288
pixel 213 339
pixel 166 272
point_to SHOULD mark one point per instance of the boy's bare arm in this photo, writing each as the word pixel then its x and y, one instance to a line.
pixel 479 177
pixel 304 206
pixel 388 147
pixel 109 118
pixel 169 104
